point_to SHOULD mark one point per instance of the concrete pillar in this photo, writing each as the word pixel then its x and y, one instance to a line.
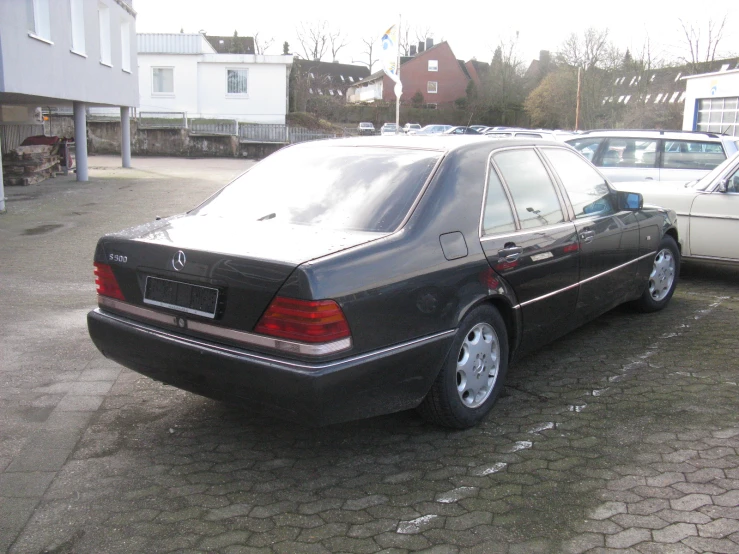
pixel 2 190
pixel 80 140
pixel 125 136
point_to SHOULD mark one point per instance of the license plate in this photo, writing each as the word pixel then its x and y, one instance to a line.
pixel 184 297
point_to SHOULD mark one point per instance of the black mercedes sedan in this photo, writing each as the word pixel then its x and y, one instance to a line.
pixel 348 278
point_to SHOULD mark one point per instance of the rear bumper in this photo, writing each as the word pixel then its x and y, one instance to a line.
pixel 380 382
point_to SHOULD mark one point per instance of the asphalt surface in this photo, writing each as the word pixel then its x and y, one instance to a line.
pixel 622 436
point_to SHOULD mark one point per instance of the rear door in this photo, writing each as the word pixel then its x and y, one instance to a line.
pixel 608 239
pixel 688 160
pixel 528 241
pixel 629 159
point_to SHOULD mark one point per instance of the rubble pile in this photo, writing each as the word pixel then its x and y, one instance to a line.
pixel 27 165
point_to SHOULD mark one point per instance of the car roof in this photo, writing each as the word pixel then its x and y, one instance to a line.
pixel 441 143
pixel 647 133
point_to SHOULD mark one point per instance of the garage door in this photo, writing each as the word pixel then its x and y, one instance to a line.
pixel 718 115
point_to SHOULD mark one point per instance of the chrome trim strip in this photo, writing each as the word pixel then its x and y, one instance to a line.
pixel 711 258
pixel 585 280
pixel 543 228
pixel 707 216
pixel 288 364
pixel 294 347
pixel 542 297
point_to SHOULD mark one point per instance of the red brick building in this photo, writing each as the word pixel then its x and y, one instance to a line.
pixel 434 72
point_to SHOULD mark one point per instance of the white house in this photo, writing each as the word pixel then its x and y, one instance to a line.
pixel 61 53
pixel 712 101
pixel 186 73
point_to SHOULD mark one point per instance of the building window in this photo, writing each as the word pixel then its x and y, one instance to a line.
pixel 678 77
pixel 126 46
pixel 338 91
pixel 433 65
pixel 659 97
pixel 627 98
pixel 432 87
pixel 312 76
pixel 310 90
pixel 104 22
pixel 718 115
pixel 351 79
pixel 39 22
pixel 162 80
pixel 342 78
pixel 77 16
pixel 331 92
pixel 236 81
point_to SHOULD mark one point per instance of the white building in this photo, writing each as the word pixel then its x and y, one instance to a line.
pixel 712 102
pixel 185 73
pixel 61 53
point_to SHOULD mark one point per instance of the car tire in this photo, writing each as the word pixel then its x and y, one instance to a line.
pixel 473 373
pixel 663 277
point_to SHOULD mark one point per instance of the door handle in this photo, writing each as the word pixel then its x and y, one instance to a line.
pixel 649 178
pixel 510 253
pixel 586 235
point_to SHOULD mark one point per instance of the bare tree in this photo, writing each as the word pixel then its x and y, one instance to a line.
pixel 338 41
pixel 702 47
pixel 422 33
pixel 314 39
pixel 369 45
pixel 261 45
pixel 404 39
pixel 588 52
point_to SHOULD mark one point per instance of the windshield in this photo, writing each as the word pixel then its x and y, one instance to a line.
pixel 334 187
pixel 704 182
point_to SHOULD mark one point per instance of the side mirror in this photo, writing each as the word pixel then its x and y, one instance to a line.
pixel 722 186
pixel 630 201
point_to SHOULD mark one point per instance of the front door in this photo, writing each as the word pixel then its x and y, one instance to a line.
pixel 714 222
pixel 608 239
pixel 529 243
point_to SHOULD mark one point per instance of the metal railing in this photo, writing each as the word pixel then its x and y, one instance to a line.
pixel 162 120
pixel 213 127
pixel 278 134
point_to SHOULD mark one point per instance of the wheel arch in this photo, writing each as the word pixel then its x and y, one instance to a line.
pixel 507 311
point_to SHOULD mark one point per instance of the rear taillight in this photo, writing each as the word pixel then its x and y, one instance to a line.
pixel 304 320
pixel 106 283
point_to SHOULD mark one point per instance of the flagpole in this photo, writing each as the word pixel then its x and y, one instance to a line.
pixel 397 72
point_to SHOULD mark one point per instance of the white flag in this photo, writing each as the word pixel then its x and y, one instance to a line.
pixel 389 53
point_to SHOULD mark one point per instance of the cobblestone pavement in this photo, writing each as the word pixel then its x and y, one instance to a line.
pixel 623 436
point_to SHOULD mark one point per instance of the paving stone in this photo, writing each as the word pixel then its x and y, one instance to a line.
pixel 718 546
pixel 690 502
pixel 30 484
pixel 649 506
pixel 665 479
pixel 679 516
pixel 730 499
pixel 365 502
pixel 582 543
pixel 225 539
pixel 631 520
pixel 627 538
pixel 719 528
pixel 605 511
pixel 664 548
pixel 421 524
pixel 675 532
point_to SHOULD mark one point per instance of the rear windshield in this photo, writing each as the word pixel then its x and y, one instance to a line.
pixel 334 187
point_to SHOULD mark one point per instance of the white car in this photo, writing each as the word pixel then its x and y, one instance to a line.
pixel 707 211
pixel 411 128
pixel 388 129
pixel 433 129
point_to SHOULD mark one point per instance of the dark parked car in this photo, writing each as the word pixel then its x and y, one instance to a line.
pixel 462 131
pixel 348 278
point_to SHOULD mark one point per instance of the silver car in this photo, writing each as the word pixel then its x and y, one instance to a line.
pixel 654 155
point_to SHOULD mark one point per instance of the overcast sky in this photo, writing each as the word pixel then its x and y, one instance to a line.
pixel 473 29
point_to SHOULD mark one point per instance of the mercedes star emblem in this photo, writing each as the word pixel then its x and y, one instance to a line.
pixel 179 260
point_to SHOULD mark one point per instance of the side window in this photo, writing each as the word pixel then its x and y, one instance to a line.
pixel 588 192
pixel 684 154
pixel 498 217
pixel 732 183
pixel 586 146
pixel 535 199
pixel 629 152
